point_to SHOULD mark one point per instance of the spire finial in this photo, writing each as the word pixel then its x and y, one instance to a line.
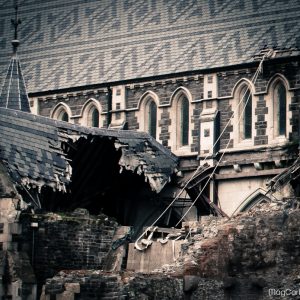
pixel 16 22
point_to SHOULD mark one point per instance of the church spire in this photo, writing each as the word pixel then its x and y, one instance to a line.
pixel 13 94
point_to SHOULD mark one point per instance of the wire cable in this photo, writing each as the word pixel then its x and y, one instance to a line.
pixel 253 79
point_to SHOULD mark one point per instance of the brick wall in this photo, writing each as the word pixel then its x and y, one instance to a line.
pixel 164 123
pixel 69 241
pixel 295 108
pixel 164 90
pixel 225 109
pixel 197 108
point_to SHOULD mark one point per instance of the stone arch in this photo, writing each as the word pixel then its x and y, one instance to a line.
pixel 239 84
pixel 88 110
pixel 148 113
pixel 273 131
pixel 275 79
pixel 145 96
pixel 243 120
pixel 59 111
pixel 181 112
pixel 256 197
pixel 178 91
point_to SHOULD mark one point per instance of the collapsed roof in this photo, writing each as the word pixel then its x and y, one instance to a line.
pixel 289 174
pixel 70 43
pixel 33 149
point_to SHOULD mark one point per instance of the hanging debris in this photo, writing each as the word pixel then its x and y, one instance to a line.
pixel 35 150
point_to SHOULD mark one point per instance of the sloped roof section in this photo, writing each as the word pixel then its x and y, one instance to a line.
pixel 31 149
pixel 13 94
pixel 69 43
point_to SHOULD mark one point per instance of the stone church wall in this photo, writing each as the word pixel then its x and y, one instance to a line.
pixel 67 241
pixel 75 101
pixel 220 97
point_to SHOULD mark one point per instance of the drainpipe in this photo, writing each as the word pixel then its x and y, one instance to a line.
pixel 109 105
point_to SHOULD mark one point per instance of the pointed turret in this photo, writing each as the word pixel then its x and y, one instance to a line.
pixel 13 94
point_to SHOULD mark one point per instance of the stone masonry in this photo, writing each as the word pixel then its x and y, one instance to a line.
pixel 252 256
pixel 66 241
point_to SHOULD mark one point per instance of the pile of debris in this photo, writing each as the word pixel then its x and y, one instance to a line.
pixel 210 227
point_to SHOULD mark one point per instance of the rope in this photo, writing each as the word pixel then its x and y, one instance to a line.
pixel 193 176
pixel 227 145
pixel 214 170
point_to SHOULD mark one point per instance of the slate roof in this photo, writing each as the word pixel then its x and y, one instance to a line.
pixel 70 43
pixel 13 93
pixel 30 148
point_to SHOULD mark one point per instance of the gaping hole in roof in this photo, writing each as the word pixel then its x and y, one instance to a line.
pixel 98 185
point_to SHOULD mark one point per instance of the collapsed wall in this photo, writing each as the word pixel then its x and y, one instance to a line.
pixel 255 255
pixel 252 256
pixel 66 241
pixel 93 285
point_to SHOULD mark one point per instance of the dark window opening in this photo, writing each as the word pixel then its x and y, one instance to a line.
pixel 209 79
pixel 65 117
pixel 184 122
pixel 281 104
pixel 152 119
pixel 247 114
pixel 95 118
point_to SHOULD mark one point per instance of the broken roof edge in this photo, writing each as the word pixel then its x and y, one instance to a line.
pixel 155 174
pixel 285 177
pixel 116 133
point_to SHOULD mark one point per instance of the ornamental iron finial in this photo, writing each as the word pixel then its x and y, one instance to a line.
pixel 15 22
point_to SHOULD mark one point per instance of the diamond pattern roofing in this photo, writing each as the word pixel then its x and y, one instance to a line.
pixel 68 43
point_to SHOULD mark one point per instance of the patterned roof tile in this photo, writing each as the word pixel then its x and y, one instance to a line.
pixel 68 43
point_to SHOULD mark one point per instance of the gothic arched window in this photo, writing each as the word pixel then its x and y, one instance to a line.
pixel 61 112
pixel 64 116
pixel 152 118
pixel 93 117
pixel 279 103
pixel 183 114
pixel 246 111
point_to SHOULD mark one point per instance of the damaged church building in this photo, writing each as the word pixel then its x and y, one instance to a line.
pixel 149 149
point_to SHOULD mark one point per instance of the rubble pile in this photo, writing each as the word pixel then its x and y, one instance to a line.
pixel 254 254
pixel 209 228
